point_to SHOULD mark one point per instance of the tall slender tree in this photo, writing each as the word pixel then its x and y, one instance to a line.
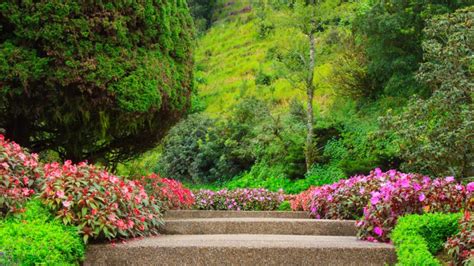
pixel 308 18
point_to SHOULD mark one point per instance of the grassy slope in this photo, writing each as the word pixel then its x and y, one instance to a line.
pixel 230 54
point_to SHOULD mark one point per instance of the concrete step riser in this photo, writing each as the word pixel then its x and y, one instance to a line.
pixel 282 227
pixel 194 214
pixel 238 256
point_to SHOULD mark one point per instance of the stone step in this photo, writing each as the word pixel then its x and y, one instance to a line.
pixel 242 250
pixel 190 214
pixel 277 226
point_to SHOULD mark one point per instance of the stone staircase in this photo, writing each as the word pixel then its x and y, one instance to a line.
pixel 245 238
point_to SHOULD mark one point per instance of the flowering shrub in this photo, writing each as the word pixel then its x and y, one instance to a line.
pixel 302 201
pixel 379 198
pixel 461 246
pixel 239 199
pixel 169 191
pixel 402 194
pixel 346 199
pixel 100 204
pixel 20 174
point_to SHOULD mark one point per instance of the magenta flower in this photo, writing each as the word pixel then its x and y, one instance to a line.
pixel 416 187
pixel 378 231
pixel 422 197
pixel 470 187
pixel 449 179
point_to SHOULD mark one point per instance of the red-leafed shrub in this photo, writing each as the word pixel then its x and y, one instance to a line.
pixel 302 201
pixel 170 192
pixel 20 175
pixel 461 246
pixel 409 194
pixel 100 204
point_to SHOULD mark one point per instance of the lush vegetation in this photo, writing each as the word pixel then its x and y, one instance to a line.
pixel 95 81
pixel 137 108
pixel 35 237
pixel 418 238
pixel 377 200
pixel 390 89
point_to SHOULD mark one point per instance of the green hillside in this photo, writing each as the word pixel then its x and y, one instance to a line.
pixel 234 53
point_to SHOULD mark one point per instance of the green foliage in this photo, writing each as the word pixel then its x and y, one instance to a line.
pixel 201 11
pixel 417 238
pixel 274 178
pixel 261 175
pixel 94 81
pixel 393 33
pixel 435 134
pixel 34 237
pixel 202 150
pixel 285 206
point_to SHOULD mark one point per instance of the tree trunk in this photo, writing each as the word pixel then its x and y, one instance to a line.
pixel 309 149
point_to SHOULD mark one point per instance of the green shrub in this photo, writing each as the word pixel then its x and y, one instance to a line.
pixel 418 237
pixel 318 175
pixel 35 238
pixel 285 206
pixel 261 175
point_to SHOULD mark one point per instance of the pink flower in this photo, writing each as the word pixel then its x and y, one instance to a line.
pixel 60 194
pixel 449 179
pixel 66 204
pixel 470 187
pixel 422 197
pixel 378 231
pixel 416 187
pixel 375 198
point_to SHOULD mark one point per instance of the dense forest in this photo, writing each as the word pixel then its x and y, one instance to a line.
pixel 240 93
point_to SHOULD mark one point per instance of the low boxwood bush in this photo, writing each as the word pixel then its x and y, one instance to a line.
pixel 34 237
pixel 417 238
pixel 238 199
pixel 285 206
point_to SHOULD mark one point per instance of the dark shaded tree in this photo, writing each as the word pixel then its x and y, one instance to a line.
pixel 437 134
pixel 93 80
pixel 202 11
pixel 392 31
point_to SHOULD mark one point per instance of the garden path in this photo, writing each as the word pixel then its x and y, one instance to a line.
pixel 245 238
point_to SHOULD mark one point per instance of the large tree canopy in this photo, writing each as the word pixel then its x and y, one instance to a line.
pixel 392 32
pixel 93 80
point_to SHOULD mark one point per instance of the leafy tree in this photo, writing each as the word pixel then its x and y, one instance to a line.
pixel 436 134
pixel 308 18
pixel 93 80
pixel 392 31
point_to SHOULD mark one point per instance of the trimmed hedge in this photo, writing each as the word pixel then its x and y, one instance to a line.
pixel 418 237
pixel 33 238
